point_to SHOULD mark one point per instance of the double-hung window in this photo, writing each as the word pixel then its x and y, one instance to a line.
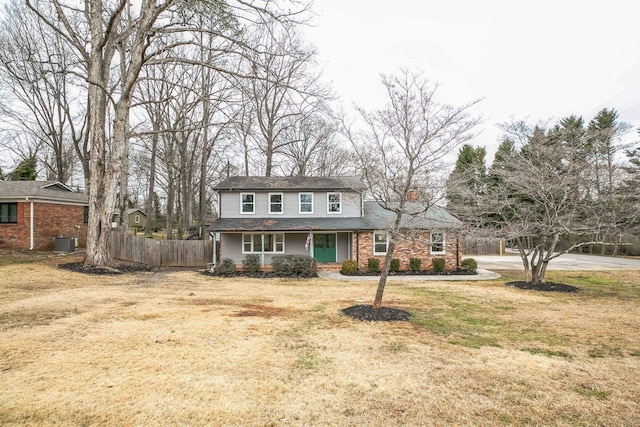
pixel 275 203
pixel 306 203
pixel 437 243
pixel 334 202
pixel 380 243
pixel 8 213
pixel 252 243
pixel 247 203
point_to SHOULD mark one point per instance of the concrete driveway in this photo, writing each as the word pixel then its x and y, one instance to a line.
pixel 564 262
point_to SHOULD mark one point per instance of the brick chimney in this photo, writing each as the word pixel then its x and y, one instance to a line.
pixel 412 195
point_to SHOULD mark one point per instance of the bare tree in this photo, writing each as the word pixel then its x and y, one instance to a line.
pixel 539 199
pixel 282 89
pixel 402 147
pixel 106 32
pixel 38 72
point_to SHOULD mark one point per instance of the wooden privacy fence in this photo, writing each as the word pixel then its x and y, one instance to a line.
pixel 482 246
pixel 161 253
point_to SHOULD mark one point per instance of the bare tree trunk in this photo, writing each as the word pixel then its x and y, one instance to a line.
pixel 150 211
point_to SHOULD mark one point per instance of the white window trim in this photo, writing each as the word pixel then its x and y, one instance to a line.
pixel 281 203
pixel 374 242
pixel 254 204
pixel 300 204
pixel 339 211
pixel 257 236
pixel 136 219
pixel 444 243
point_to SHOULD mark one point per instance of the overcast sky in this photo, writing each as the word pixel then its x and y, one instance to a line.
pixel 538 60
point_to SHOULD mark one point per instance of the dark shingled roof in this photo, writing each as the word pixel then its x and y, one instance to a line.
pixel 293 183
pixel 40 190
pixel 289 224
pixel 376 218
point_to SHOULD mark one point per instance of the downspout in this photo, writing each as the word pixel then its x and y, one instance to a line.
pixel 31 244
pixel 358 249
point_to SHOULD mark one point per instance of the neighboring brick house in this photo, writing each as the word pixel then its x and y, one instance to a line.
pixel 34 213
pixel 327 218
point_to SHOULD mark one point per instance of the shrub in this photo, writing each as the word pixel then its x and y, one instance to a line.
pixel 227 267
pixel 251 263
pixel 438 264
pixel 414 264
pixel 373 265
pixel 469 264
pixel 294 266
pixel 395 265
pixel 349 267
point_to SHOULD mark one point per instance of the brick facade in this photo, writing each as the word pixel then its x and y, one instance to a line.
pixel 50 220
pixel 418 246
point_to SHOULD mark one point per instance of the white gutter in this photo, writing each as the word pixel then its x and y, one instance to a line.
pixel 30 223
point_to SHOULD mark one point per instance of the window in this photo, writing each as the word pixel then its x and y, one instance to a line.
pixel 306 203
pixel 252 243
pixel 437 243
pixel 86 215
pixel 8 213
pixel 136 219
pixel 247 203
pixel 380 243
pixel 275 203
pixel 334 202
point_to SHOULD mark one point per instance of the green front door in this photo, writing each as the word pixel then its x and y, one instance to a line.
pixel 324 247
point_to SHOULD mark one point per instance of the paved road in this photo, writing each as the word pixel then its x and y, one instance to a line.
pixel 563 262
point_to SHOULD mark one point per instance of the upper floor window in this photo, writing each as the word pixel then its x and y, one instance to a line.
pixel 380 243
pixel 306 203
pixel 334 202
pixel 437 243
pixel 8 213
pixel 275 203
pixel 247 203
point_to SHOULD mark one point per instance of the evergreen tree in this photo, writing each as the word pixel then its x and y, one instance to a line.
pixel 25 171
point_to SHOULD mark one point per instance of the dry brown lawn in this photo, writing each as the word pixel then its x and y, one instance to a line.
pixel 180 348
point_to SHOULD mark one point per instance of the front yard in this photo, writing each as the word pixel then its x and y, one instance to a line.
pixel 181 348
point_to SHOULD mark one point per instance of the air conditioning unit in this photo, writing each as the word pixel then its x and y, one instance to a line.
pixel 64 244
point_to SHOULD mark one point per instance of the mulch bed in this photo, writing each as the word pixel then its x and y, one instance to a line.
pixel 258 275
pixel 383 314
pixel 544 286
pixel 416 273
pixel 79 267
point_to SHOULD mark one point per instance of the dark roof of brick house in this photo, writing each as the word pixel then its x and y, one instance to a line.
pixel 376 218
pixel 293 183
pixel 40 190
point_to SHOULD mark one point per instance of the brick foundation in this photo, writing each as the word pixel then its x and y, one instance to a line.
pixel 50 220
pixel 418 246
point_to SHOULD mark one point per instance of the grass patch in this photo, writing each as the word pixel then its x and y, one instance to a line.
pixel 547 352
pixel 591 391
pixel 254 352
pixel 600 350
pixel 395 347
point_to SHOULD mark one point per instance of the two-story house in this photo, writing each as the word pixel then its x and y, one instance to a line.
pixel 324 217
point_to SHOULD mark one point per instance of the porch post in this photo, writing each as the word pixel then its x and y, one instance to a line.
pixel 262 249
pixel 213 237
